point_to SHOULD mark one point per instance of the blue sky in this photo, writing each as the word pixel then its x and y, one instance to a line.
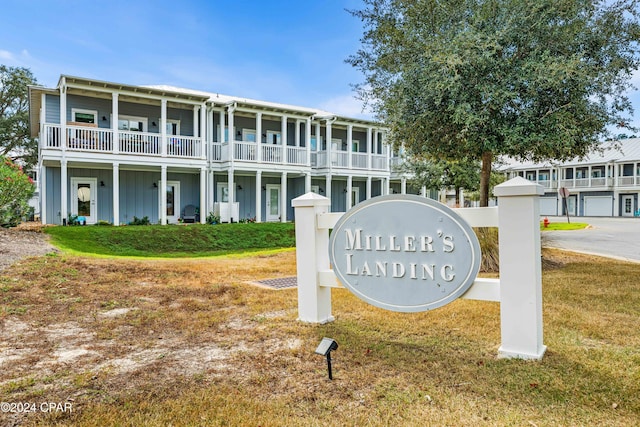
pixel 286 51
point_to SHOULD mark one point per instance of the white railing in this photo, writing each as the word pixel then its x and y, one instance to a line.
pixel 184 146
pixel 545 183
pixel 628 180
pixel 340 159
pixel 139 143
pixel 379 162
pixel 272 153
pixel 216 151
pixel 296 156
pixel 359 160
pixel 245 151
pixel 51 135
pixel 89 139
pixel 322 159
pixel 598 182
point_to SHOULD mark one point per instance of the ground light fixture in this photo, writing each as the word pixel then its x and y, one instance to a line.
pixel 324 349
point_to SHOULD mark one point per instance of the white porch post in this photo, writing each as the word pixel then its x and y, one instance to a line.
pixel 423 191
pixel 231 134
pixel 64 191
pixel 232 187
pixel 327 185
pixel 349 190
pixel 283 197
pixel 163 138
pixel 328 137
pixel 258 143
pixel 314 302
pixel 203 140
pixel 297 133
pixel 116 193
pixel 520 278
pixel 283 136
pixel 63 116
pixel 203 195
pixel 307 142
pixel 387 185
pixel 368 187
pixel 43 193
pixel 349 146
pixel 114 124
pixel 258 196
pixel 403 185
pixel 307 183
pixel 222 138
pixel 369 152
pixel 162 193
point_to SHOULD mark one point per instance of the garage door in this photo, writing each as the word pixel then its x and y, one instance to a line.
pixel 598 205
pixel 548 206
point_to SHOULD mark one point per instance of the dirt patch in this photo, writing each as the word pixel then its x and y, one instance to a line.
pixel 24 241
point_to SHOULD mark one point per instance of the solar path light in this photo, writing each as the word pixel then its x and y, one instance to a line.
pixel 324 349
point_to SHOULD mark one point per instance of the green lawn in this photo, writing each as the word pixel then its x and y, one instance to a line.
pixel 173 241
pixel 554 226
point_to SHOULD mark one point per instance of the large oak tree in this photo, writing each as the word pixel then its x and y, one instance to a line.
pixel 531 79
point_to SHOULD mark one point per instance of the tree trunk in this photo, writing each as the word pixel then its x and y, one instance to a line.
pixel 485 178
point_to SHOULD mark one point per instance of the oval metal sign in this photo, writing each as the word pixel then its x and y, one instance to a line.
pixel 404 253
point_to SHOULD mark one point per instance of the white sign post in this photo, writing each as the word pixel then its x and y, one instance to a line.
pixel 519 289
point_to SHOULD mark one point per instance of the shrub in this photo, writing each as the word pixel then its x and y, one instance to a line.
pixel 140 221
pixel 213 218
pixel 16 188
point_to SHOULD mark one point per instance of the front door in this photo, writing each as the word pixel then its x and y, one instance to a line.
pixel 83 199
pixel 355 195
pixel 627 206
pixel 173 201
pixel 273 202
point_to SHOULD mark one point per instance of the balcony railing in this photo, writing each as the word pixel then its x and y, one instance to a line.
pixel 79 138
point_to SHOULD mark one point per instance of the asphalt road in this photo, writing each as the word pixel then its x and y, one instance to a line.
pixel 611 237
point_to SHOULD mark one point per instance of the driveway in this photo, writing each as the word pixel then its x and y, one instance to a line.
pixel 611 237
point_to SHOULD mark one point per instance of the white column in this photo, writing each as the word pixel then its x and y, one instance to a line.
pixel 222 138
pixel 42 182
pixel 307 142
pixel 369 151
pixel 258 140
pixel 589 176
pixel 349 147
pixel 163 137
pixel 328 137
pixel 212 186
pixel 368 187
pixel 327 185
pixel 232 190
pixel 307 183
pixel 349 190
pixel 283 197
pixel 297 133
pixel 116 193
pixel 520 278
pixel 162 193
pixel 64 192
pixel 403 185
pixel 203 140
pixel 375 141
pixel 63 117
pixel 283 136
pixel 387 185
pixel 314 302
pixel 203 195
pixel 423 191
pixel 258 196
pixel 114 123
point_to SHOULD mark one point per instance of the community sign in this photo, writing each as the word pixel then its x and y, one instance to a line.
pixel 404 253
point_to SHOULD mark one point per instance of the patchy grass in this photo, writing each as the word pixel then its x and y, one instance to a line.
pixel 173 241
pixel 555 226
pixel 188 342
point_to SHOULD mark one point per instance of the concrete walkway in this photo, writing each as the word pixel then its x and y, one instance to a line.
pixel 617 238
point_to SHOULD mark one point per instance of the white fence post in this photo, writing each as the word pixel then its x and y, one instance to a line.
pixel 312 256
pixel 520 269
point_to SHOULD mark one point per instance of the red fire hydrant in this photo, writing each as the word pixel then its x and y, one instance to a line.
pixel 546 222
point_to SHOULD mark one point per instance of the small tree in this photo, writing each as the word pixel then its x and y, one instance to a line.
pixel 16 188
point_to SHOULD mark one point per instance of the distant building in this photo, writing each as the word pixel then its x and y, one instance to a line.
pixel 606 183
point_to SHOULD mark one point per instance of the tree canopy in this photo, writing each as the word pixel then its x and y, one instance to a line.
pixel 15 140
pixel 530 79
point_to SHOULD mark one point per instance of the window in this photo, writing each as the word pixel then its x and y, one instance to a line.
pixel 355 146
pixel 84 116
pixel 274 137
pixel 133 124
pixel 249 135
pixel 173 127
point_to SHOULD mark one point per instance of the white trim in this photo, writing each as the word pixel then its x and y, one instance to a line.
pixel 75 111
pixel 93 197
pixel 176 201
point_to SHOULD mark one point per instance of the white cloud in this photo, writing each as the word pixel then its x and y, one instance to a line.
pixel 12 59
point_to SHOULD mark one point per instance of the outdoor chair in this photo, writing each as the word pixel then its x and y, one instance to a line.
pixel 190 214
